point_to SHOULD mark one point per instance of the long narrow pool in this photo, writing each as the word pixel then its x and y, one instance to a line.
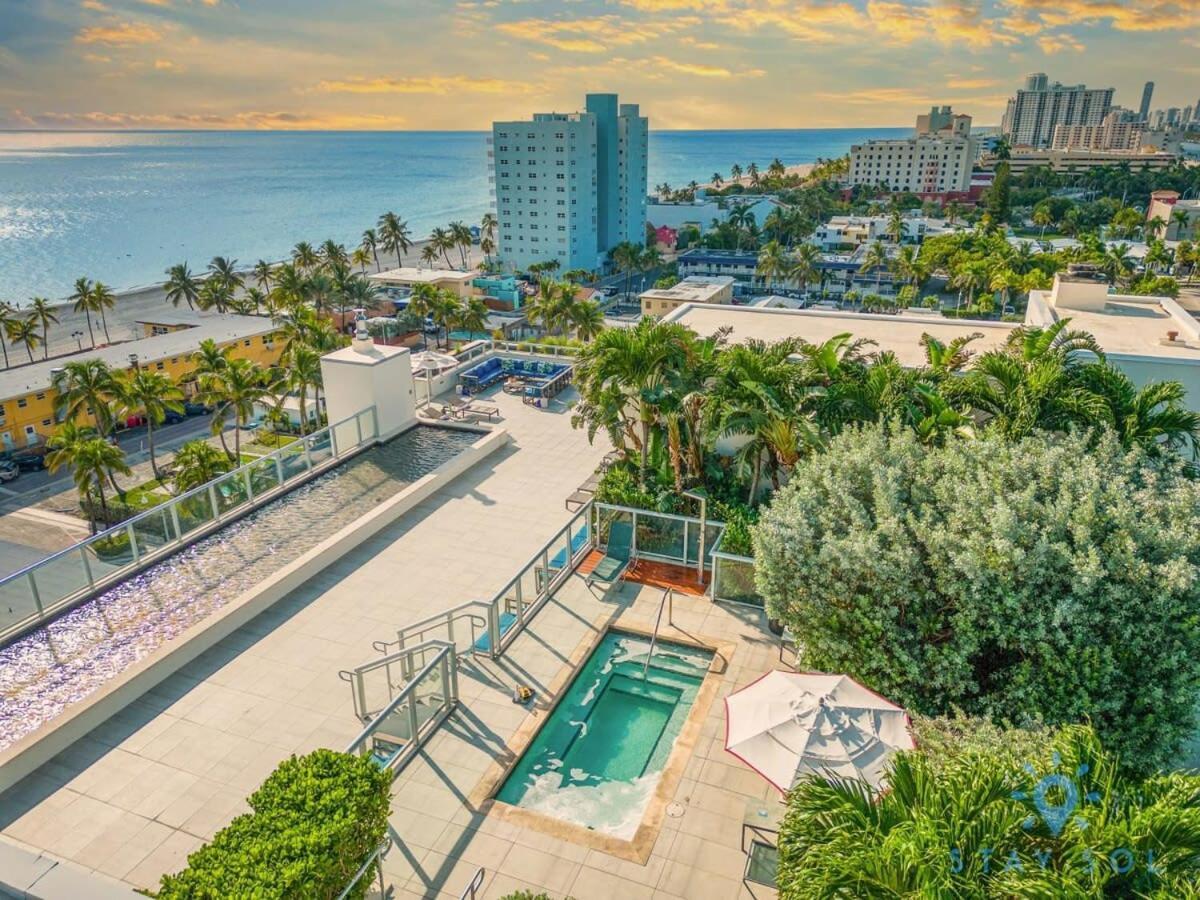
pixel 598 759
pixel 77 653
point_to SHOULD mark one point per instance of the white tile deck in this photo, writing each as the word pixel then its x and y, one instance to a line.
pixel 155 781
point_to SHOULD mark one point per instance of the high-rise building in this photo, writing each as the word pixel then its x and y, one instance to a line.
pixel 1114 133
pixel 1173 115
pixel 932 162
pixel 570 186
pixel 1147 96
pixel 1039 107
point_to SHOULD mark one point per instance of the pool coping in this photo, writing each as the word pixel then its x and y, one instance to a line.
pixel 39 746
pixel 638 848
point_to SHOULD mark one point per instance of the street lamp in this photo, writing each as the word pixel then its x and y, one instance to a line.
pixel 78 335
pixel 133 360
pixel 701 495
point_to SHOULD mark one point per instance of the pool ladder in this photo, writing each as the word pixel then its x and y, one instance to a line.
pixel 668 602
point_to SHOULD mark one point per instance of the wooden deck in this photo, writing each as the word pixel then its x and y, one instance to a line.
pixel 655 574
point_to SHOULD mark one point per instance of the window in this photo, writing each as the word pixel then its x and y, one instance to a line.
pixel 22 403
pixel 247 342
pixel 46 422
pixel 159 366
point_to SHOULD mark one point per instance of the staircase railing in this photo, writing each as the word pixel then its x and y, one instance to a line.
pixel 668 600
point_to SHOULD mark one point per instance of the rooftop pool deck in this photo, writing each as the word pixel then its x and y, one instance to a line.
pixel 152 783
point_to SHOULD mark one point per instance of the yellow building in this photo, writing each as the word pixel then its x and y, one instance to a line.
pixel 27 415
pixel 693 289
pixel 452 280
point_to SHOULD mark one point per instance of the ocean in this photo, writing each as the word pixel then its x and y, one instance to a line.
pixel 123 206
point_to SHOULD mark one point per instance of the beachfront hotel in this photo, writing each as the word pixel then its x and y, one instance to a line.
pixel 570 186
pixel 936 162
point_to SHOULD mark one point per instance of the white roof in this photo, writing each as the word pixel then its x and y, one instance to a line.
pixel 693 289
pixel 416 275
pixel 21 380
pixel 900 334
pixel 1127 324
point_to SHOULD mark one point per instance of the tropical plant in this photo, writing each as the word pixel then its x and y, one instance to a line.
pixel 972 825
pixel 103 299
pixel 41 311
pixel 92 461
pixel 8 315
pixel 316 819
pixel 985 575
pixel 181 285
pixel 234 391
pixel 85 387
pixel 198 462
pixel 82 301
pixel 586 319
pixel 149 395
pixel 303 373
pixel 23 331
pixel 305 257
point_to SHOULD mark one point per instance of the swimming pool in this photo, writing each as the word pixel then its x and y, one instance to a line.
pixel 598 759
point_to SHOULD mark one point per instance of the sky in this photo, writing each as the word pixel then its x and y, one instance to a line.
pixel 435 64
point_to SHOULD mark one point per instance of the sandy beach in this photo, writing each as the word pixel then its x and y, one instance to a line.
pixel 803 170
pixel 139 304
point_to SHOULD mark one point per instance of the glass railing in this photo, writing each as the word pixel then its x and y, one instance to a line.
pixel 664 537
pixel 733 578
pixel 40 591
pixel 427 695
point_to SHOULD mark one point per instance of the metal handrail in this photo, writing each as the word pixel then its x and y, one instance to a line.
pixel 668 597
pixel 376 856
pixel 472 888
pixel 405 659
pixel 404 694
pixel 417 629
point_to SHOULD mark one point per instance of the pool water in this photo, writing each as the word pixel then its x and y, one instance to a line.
pixel 597 760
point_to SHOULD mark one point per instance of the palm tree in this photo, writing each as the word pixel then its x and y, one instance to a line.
pixel 1180 219
pixel 103 299
pixel 804 268
pixel 303 373
pixel 8 315
pixel 895 225
pixel 198 462
pixel 263 271
pixel 370 243
pixel 23 331
pixel 735 173
pixel 214 294
pixel 429 254
pixel 773 262
pixel 226 271
pixel 85 386
pixel 150 395
pixel 42 312
pixel 1116 263
pixel 181 285
pixel 446 309
pixel 460 237
pixel 586 318
pixel 255 299
pixel 235 391
pixel 876 258
pixel 305 257
pixel 441 239
pixel 1153 228
pixel 421 303
pixel 1041 216
pixel 360 256
pixel 319 290
pixel 92 460
pixel 394 235
pixel 1154 417
pixel 83 302
pixel 210 363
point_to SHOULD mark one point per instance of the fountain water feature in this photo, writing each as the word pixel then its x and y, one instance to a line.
pixel 74 655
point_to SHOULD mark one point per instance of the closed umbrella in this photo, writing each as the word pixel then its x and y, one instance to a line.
pixel 430 361
pixel 789 724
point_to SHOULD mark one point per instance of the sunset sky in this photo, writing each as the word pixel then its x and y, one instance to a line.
pixel 408 64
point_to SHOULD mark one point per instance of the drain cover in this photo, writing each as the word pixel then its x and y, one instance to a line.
pixel 675 810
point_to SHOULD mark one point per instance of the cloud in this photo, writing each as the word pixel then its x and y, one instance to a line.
pixel 93 5
pixel 1135 15
pixel 971 84
pixel 1054 43
pixel 702 70
pixel 119 34
pixel 434 84
pixel 258 120
pixel 592 34
pixel 165 65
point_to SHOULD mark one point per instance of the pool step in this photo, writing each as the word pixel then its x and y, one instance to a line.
pixel 627 684
pixel 668 675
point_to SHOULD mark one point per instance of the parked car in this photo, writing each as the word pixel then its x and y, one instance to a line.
pixel 8 471
pixel 196 409
pixel 27 459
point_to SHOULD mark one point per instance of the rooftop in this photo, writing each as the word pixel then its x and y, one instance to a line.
pixel 693 289
pixel 417 275
pixel 222 329
pixel 899 334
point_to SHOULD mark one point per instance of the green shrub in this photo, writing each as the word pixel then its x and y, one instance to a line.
pixel 1049 580
pixel 738 517
pixel 973 828
pixel 315 820
pixel 114 546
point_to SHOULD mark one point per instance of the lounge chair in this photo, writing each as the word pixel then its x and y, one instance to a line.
pixel 617 556
pixel 482 409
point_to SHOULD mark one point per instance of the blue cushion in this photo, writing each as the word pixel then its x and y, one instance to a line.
pixel 507 620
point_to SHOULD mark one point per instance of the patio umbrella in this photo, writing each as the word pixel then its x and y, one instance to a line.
pixel 790 724
pixel 430 361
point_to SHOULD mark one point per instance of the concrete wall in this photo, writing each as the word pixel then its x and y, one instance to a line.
pixel 39 747
pixel 355 378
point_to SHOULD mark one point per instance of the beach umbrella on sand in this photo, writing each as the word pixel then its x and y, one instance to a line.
pixel 789 724
pixel 430 361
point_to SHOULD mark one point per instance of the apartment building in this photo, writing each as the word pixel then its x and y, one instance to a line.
pixel 27 413
pixel 1165 205
pixel 1022 160
pixel 1116 132
pixel 1037 109
pixel 931 163
pixel 692 289
pixel 570 186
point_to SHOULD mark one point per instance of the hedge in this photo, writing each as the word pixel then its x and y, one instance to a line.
pixel 315 820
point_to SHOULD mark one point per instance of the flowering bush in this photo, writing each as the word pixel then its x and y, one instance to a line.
pixel 1053 578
